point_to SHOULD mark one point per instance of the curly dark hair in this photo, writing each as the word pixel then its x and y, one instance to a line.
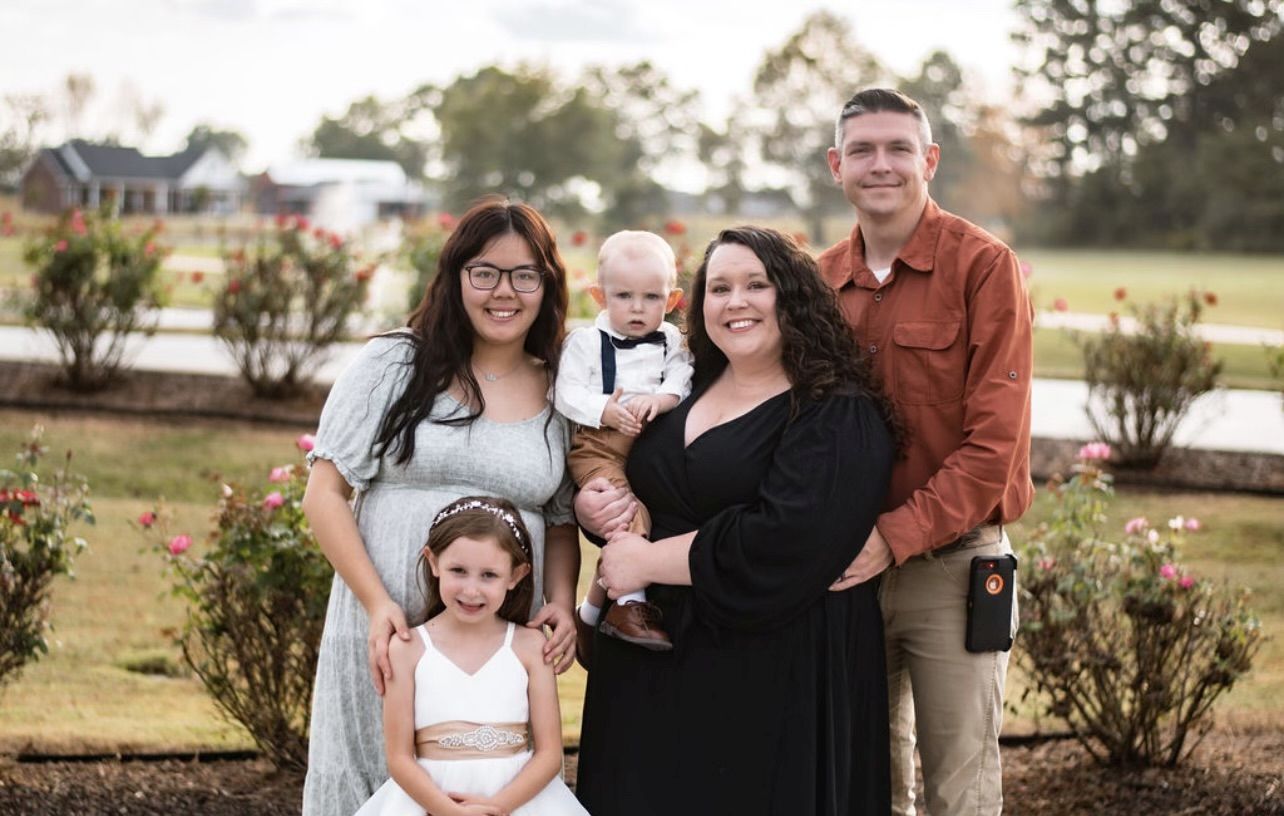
pixel 819 353
pixel 443 335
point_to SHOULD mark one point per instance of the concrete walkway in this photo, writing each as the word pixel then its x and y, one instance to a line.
pixel 1225 420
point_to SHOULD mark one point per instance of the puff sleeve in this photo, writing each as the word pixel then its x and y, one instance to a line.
pixel 356 406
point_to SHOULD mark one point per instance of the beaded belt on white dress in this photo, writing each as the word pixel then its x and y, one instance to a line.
pixel 458 739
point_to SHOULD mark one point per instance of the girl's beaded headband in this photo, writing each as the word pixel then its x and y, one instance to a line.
pixel 495 510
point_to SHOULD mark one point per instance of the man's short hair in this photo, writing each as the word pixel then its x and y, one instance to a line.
pixel 635 244
pixel 878 100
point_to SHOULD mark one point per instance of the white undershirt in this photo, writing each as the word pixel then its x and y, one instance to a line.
pixel 882 274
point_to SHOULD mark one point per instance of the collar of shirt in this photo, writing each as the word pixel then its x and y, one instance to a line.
pixel 918 253
pixel 603 322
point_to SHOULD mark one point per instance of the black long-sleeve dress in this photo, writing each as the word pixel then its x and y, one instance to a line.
pixel 774 699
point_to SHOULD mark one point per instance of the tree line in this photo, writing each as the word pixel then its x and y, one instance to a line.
pixel 1152 123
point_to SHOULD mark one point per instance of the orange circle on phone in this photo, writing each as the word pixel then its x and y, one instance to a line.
pixel 994 584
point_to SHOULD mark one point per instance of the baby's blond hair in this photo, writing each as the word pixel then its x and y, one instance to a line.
pixel 634 244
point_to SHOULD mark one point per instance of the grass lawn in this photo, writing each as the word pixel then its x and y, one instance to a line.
pixel 1250 288
pixel 1057 357
pixel 82 697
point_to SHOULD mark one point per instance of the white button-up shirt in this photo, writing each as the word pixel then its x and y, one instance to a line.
pixel 649 368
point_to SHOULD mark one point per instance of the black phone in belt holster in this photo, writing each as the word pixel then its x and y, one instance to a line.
pixel 991 585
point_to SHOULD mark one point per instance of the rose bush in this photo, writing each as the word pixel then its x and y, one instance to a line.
pixel 94 285
pixel 285 301
pixel 256 600
pixel 1118 638
pixel 423 249
pixel 36 545
pixel 1146 380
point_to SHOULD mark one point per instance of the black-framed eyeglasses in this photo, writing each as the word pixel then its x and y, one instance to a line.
pixel 523 278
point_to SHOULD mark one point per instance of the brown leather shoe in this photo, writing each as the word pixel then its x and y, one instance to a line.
pixel 637 622
pixel 583 641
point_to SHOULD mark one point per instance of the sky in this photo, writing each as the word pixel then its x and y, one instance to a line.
pixel 272 68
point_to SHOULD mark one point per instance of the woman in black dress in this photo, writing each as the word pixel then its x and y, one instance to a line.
pixel 762 487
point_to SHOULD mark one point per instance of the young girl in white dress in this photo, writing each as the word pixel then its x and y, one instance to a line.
pixel 470 718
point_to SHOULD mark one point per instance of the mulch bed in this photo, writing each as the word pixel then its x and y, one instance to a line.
pixel 1231 774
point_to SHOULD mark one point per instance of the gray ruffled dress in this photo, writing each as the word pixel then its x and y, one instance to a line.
pixel 394 505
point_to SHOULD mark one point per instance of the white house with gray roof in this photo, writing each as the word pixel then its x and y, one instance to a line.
pixel 83 174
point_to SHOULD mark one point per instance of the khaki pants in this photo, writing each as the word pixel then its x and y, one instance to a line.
pixel 949 698
pixel 603 452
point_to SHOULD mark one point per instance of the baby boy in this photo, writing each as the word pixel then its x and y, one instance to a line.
pixel 616 376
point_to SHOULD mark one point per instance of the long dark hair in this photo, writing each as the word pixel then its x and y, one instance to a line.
pixel 463 518
pixel 818 351
pixel 443 335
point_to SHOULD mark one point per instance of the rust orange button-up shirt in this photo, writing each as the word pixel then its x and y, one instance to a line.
pixel 949 333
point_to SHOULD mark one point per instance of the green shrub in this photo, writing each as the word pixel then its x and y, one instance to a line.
pixel 1147 379
pixel 36 545
pixel 256 606
pixel 423 247
pixel 1120 640
pixel 94 285
pixel 284 301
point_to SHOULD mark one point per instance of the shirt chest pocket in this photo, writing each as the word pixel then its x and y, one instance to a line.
pixel 930 363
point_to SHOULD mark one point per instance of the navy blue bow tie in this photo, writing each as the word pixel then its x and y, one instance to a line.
pixel 656 337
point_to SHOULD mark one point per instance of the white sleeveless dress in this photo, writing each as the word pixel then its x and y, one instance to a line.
pixel 496 693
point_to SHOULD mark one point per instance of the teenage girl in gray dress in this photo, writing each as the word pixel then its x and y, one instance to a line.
pixel 455 404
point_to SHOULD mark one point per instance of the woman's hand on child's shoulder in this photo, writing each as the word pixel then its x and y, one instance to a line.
pixel 404 655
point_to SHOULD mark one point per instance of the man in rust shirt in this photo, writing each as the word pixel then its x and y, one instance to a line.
pixel 941 308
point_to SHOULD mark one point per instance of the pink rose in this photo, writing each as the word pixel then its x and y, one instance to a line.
pixel 1094 450
pixel 179 544
pixel 1168 572
pixel 1137 525
pixel 1046 564
pixel 273 500
pixel 280 474
pixel 306 442
pixel 1193 525
pixel 1061 305
pixel 61 246
pixel 1186 582
pixel 78 222
pixel 147 519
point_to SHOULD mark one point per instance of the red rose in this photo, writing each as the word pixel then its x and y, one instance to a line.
pixel 1121 293
pixel 233 286
pixel 198 276
pixel 301 223
pixel 674 227
pixel 1210 298
pixel 335 241
pixel 281 220
pixel 579 238
pixel 1060 305
pixel 446 221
